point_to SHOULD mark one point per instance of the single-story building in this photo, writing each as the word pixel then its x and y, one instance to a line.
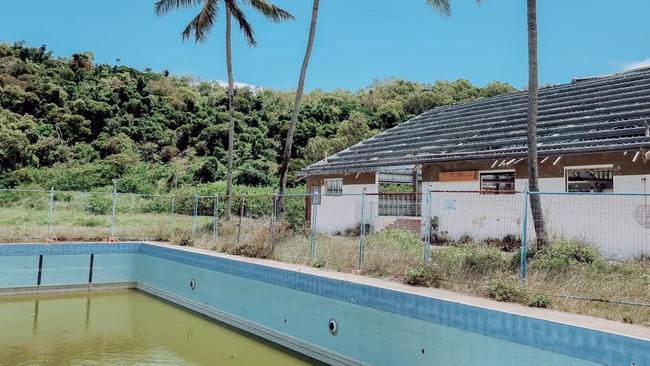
pixel 593 136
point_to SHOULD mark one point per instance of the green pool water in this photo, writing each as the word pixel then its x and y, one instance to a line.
pixel 122 328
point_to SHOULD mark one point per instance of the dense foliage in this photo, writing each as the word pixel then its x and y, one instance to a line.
pixel 71 124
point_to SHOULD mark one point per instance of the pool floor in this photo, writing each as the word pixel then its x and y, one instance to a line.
pixel 123 327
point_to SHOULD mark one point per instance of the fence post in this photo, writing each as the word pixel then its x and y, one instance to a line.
pixel 241 214
pixel 314 218
pixel 523 263
pixel 362 229
pixel 171 215
pixel 215 223
pixel 427 227
pixel 195 208
pixel 273 218
pixel 50 230
pixel 113 210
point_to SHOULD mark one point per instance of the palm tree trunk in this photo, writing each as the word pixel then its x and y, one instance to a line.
pixel 286 157
pixel 231 112
pixel 533 169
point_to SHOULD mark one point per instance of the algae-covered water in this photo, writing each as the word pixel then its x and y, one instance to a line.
pixel 122 328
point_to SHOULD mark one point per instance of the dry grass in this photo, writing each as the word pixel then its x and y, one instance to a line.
pixel 563 275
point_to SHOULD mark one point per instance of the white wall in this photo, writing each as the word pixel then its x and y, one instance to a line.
pixel 615 224
pixel 338 213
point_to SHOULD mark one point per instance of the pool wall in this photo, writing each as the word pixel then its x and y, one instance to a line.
pixel 375 325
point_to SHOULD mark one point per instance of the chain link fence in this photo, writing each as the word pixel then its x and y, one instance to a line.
pixel 596 248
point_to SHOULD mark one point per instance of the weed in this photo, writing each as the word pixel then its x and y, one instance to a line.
pixel 319 263
pixel 539 301
pixel 183 239
pixel 507 291
pixel 562 255
pixel 483 259
pixel 422 275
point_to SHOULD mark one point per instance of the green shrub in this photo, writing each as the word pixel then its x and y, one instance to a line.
pixel 402 240
pixel 539 301
pixel 562 255
pixel 99 204
pixel 319 263
pixel 92 222
pixel 507 291
pixel 422 276
pixel 482 259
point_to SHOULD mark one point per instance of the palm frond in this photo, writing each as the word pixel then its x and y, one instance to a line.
pixel 244 25
pixel 441 6
pixel 270 11
pixel 165 6
pixel 203 22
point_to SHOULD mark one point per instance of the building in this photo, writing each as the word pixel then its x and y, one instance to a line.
pixel 593 136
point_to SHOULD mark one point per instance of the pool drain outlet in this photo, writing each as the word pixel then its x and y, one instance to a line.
pixel 333 327
pixel 192 284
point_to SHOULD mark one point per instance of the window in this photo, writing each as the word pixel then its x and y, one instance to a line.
pixel 333 187
pixel 498 182
pixel 589 179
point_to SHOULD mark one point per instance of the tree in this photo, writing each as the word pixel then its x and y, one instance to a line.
pixel 533 86
pixel 444 6
pixel 288 144
pixel 200 26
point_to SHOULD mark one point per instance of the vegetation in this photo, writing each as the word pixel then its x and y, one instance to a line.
pixel 200 26
pixel 74 125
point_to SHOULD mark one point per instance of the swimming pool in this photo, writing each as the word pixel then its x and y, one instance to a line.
pixel 123 327
pixel 374 322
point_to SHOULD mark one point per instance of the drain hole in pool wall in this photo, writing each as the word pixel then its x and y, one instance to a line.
pixel 333 327
pixel 192 284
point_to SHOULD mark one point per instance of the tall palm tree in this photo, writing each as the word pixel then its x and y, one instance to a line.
pixel 199 27
pixel 286 156
pixel 444 7
pixel 533 88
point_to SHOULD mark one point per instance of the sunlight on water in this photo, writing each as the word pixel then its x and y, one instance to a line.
pixel 121 328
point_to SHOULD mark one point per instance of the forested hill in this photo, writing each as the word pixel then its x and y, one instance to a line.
pixel 74 125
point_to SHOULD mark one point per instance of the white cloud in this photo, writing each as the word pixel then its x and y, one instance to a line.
pixel 636 64
pixel 237 84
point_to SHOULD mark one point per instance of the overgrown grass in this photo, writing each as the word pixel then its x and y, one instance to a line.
pixel 560 276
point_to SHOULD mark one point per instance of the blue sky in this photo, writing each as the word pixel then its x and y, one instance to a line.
pixel 358 41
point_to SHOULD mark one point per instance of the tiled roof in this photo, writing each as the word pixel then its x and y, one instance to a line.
pixel 587 115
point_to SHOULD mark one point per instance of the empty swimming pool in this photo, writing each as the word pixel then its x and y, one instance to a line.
pixel 331 317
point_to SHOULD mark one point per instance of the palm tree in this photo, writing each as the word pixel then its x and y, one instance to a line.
pixel 533 86
pixel 200 26
pixel 444 7
pixel 286 156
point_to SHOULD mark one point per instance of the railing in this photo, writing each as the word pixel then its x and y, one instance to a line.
pixel 400 204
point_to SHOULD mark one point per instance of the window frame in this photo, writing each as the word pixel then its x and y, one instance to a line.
pixel 498 171
pixel 587 167
pixel 339 192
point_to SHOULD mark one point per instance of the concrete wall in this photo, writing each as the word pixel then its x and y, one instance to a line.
pixel 614 224
pixel 336 214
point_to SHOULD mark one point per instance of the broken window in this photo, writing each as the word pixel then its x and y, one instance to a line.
pixel 498 182
pixel 333 187
pixel 589 179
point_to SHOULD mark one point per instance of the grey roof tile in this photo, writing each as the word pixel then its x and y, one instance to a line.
pixel 587 115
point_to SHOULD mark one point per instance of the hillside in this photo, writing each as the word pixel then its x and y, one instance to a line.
pixel 73 125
